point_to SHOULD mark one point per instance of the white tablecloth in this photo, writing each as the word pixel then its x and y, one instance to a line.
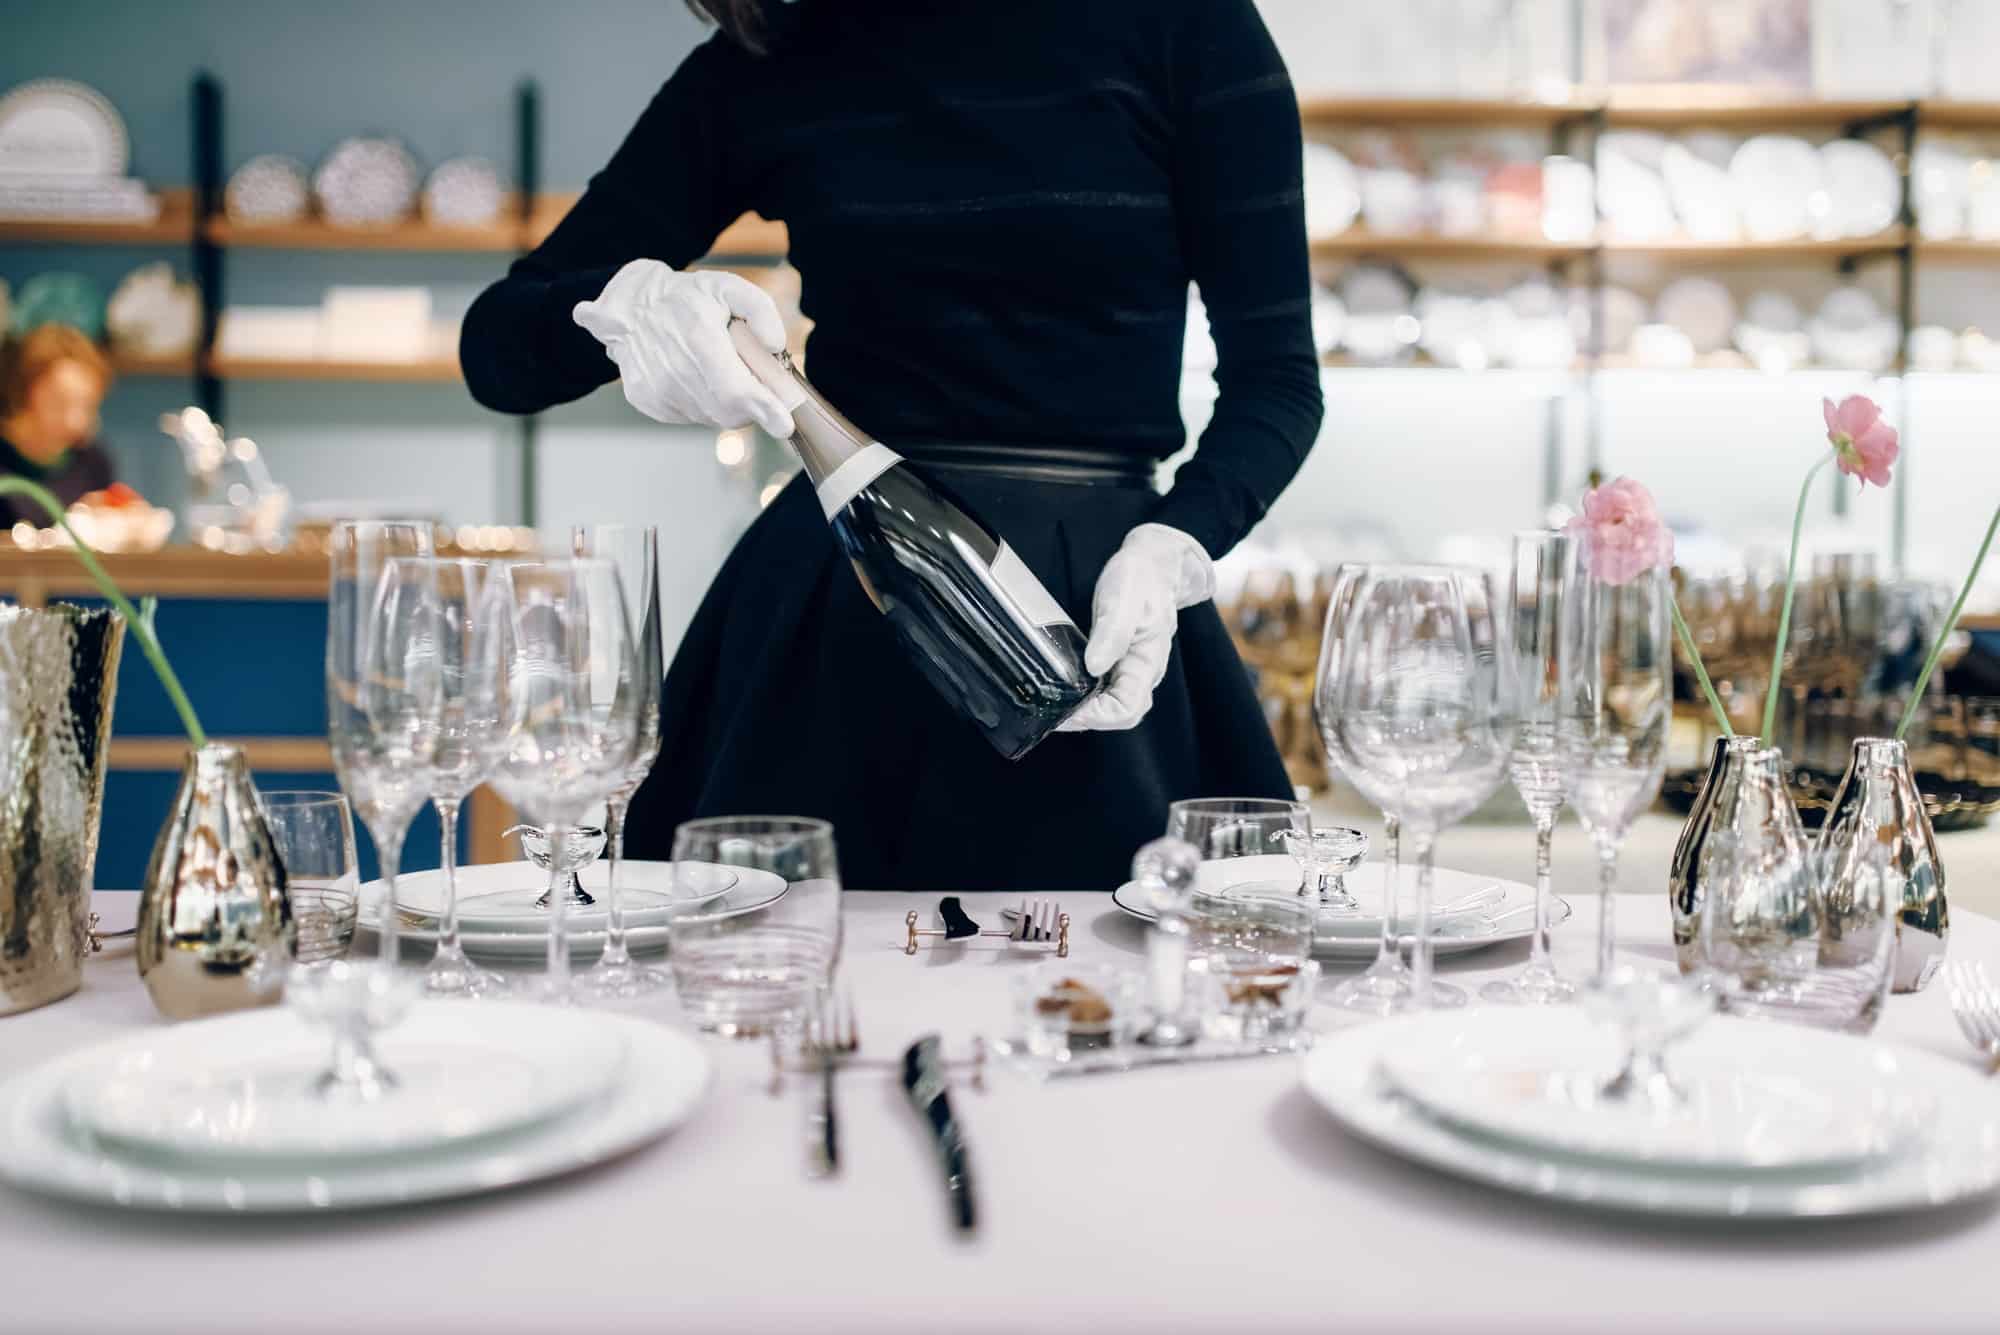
pixel 1212 1198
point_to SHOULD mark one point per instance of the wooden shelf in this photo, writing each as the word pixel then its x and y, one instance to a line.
pixel 412 234
pixel 177 571
pixel 1684 106
pixel 1737 252
pixel 1963 248
pixel 135 364
pixel 174 226
pixel 433 370
pixel 1334 113
pixel 1948 115
pixel 1425 245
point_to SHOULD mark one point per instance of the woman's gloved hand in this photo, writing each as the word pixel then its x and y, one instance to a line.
pixel 1154 574
pixel 668 332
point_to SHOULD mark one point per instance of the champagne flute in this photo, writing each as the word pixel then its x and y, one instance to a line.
pixel 1384 984
pixel 636 554
pixel 470 640
pixel 1531 629
pixel 571 704
pixel 382 719
pixel 1425 710
pixel 1616 667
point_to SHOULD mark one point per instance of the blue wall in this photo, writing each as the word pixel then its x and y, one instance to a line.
pixel 440 75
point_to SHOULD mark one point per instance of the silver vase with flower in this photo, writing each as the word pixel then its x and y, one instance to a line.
pixel 1878 820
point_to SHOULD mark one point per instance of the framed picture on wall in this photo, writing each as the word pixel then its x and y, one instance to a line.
pixel 1746 43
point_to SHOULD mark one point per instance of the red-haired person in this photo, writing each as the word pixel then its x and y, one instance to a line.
pixel 51 384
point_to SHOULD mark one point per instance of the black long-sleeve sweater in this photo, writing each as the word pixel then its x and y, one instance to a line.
pixel 996 210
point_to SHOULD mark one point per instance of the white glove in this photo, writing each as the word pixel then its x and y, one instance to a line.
pixel 1154 574
pixel 669 334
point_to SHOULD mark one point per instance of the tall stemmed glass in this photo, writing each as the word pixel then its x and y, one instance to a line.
pixel 636 554
pixel 1616 662
pixel 1531 631
pixel 471 610
pixel 571 709
pixel 1424 708
pixel 1385 984
pixel 383 690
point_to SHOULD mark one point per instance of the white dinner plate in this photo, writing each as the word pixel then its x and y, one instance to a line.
pixel 665 1076
pixel 1631 188
pixel 1959 1159
pixel 423 892
pixel 1863 189
pixel 1702 309
pixel 1332 190
pixel 1755 1096
pixel 1696 168
pixel 1358 936
pixel 514 909
pixel 1779 183
pixel 240 1087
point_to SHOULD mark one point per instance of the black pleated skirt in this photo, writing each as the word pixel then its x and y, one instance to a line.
pixel 790 696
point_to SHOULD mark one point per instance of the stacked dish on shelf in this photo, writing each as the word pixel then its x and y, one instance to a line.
pixel 1706 186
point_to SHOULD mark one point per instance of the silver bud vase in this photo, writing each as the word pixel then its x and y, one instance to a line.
pixel 58 679
pixel 1878 799
pixel 215 919
pixel 1762 910
pixel 1687 887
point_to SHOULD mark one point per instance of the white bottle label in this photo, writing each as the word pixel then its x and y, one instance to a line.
pixel 853 475
pixel 1021 586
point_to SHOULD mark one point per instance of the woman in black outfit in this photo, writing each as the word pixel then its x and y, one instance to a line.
pixel 996 211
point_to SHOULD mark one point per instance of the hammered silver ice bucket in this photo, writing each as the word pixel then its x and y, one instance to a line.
pixel 58 678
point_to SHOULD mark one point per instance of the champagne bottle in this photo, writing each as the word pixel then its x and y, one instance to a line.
pixel 974 619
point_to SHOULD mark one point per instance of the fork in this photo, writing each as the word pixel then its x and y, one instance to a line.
pixel 830 1033
pixel 1976 1007
pixel 1035 920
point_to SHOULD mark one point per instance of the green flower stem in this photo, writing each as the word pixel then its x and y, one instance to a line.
pixel 1700 668
pixel 1785 612
pixel 1950 624
pixel 140 626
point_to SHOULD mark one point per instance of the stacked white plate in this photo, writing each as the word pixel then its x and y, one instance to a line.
pixel 1487 913
pixel 1775 1121
pixel 498 919
pixel 222 1116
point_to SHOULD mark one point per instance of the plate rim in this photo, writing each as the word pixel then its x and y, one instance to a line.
pixel 654 1097
pixel 1358 1111
pixel 107 111
pixel 615 1049
pixel 1393 1067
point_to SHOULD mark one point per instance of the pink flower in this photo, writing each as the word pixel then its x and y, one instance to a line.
pixel 1864 445
pixel 1621 532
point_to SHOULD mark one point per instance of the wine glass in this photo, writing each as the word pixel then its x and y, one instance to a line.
pixel 1531 630
pixel 636 554
pixel 470 641
pixel 747 974
pixel 1385 983
pixel 382 720
pixel 1616 666
pixel 571 704
pixel 1220 828
pixel 1423 708
pixel 314 835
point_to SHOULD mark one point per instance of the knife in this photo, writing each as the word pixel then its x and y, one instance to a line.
pixel 924 1082
pixel 826 1154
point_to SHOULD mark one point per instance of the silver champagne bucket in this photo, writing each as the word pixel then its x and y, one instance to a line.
pixel 58 678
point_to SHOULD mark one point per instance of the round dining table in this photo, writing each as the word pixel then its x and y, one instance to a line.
pixel 1211 1197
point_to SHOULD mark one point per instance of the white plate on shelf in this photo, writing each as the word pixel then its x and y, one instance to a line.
pixel 1631 187
pixel 665 1076
pixel 1702 309
pixel 241 1088
pixel 1959 1160
pixel 1779 185
pixel 58 129
pixel 1696 168
pixel 1357 936
pixel 1863 189
pixel 1758 1097
pixel 423 893
pixel 1332 191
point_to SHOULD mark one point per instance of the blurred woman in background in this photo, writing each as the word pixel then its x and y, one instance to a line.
pixel 52 382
